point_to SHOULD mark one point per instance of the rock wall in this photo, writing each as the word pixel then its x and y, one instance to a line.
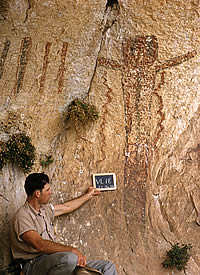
pixel 137 61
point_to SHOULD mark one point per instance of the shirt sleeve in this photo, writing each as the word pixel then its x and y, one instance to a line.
pixel 23 224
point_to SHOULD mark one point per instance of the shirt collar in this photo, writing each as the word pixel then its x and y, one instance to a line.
pixel 33 212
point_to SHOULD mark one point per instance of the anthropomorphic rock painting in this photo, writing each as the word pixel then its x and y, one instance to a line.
pixel 139 70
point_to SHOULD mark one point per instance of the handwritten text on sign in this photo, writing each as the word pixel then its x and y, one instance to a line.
pixel 106 181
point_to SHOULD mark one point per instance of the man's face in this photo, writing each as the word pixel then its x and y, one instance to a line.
pixel 45 194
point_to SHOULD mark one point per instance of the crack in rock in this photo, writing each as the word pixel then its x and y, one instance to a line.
pixel 4 197
pixel 110 17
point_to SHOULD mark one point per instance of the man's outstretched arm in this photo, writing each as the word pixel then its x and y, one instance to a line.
pixel 70 206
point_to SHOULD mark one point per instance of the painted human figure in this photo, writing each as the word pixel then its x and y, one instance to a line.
pixel 139 70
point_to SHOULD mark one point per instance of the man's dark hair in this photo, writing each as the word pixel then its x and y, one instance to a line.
pixel 35 181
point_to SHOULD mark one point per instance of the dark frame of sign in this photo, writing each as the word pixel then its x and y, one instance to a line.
pixel 105 181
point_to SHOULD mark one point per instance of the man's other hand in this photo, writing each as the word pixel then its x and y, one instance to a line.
pixel 91 191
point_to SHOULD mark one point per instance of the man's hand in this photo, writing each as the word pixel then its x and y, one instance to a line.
pixel 91 191
pixel 81 257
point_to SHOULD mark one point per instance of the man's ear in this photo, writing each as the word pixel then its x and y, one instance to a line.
pixel 37 193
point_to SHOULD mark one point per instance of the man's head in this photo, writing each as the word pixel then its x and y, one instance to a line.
pixel 34 182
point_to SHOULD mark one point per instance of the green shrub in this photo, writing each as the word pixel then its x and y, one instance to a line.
pixel 177 256
pixel 79 111
pixel 18 149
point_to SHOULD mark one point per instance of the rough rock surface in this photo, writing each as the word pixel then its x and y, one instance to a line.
pixel 137 61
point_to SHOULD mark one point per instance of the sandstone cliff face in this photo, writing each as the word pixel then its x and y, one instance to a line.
pixel 136 61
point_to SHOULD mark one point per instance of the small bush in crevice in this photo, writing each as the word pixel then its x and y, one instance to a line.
pixel 177 256
pixel 18 149
pixel 46 161
pixel 81 112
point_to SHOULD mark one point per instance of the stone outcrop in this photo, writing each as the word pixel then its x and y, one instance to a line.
pixel 137 62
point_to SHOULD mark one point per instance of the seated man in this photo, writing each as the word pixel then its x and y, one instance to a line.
pixel 32 232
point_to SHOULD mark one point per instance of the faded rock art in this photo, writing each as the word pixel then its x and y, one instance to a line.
pixel 139 70
pixel 61 70
pixel 104 112
pixel 45 65
pixel 3 56
pixel 23 59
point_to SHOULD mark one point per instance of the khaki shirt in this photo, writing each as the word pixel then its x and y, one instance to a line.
pixel 28 219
